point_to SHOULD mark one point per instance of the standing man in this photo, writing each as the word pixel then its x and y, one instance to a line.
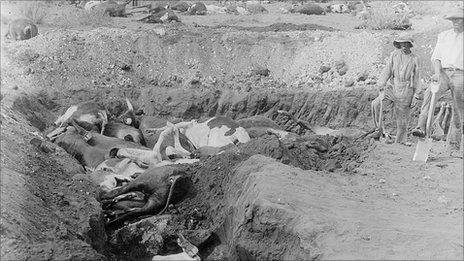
pixel 398 83
pixel 447 60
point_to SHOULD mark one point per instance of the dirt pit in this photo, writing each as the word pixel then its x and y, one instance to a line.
pixel 312 197
pixel 199 210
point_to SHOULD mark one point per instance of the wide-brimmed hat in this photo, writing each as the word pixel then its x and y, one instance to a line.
pixel 403 39
pixel 457 13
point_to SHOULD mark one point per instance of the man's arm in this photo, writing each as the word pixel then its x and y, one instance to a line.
pixel 436 58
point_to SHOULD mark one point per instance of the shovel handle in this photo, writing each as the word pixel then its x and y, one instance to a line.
pixel 433 89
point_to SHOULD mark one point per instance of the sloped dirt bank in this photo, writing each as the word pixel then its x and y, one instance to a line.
pixel 48 205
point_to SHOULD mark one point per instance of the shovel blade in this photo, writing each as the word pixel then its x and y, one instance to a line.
pixel 422 150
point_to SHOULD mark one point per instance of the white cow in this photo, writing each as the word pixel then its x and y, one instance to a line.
pixel 91 4
pixel 213 9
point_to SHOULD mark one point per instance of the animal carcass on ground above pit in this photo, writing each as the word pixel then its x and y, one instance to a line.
pixel 21 29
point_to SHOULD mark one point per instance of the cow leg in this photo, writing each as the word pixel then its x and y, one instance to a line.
pixel 56 133
pixel 104 119
pixel 66 116
pixel 157 147
pixel 178 147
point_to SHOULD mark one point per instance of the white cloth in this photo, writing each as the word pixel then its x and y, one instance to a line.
pixel 449 50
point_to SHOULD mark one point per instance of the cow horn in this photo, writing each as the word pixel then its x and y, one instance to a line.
pixel 129 105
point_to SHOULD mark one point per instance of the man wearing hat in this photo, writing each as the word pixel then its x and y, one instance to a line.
pixel 398 83
pixel 447 60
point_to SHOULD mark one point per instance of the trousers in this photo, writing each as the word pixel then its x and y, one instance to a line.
pixel 452 80
pixel 400 95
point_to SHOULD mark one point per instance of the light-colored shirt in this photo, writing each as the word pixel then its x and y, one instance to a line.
pixel 449 50
pixel 401 68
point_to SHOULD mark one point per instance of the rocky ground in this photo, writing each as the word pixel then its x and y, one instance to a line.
pixel 350 200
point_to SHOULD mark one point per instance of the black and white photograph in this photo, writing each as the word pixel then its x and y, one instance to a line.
pixel 231 130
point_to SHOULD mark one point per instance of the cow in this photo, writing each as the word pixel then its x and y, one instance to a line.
pixel 213 9
pixel 112 8
pixel 156 183
pixel 90 148
pixel 162 153
pixel 216 132
pixel 197 8
pixel 338 8
pixel 180 6
pixel 259 125
pixel 91 4
pixel 21 29
pixel 309 9
pixel 88 114
pixel 93 151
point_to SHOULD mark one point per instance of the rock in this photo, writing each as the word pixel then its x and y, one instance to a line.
pixel 339 64
pixel 140 240
pixel 343 70
pixel 349 82
pixel 260 71
pixel 362 76
pixel 324 69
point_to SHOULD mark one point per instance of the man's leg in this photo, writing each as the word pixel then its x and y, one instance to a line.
pixel 420 128
pixel 455 134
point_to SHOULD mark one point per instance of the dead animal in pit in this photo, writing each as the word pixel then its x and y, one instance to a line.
pixel 90 148
pixel 21 29
pixel 89 115
pixel 156 183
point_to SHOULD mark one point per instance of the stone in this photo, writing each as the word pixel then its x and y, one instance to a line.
pixel 140 240
pixel 343 70
pixel 349 82
pixel 324 69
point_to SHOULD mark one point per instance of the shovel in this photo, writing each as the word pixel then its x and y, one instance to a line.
pixel 382 137
pixel 424 144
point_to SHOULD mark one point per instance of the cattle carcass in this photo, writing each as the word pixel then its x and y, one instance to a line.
pixel 164 16
pixel 216 132
pixel 91 4
pixel 309 9
pixel 157 184
pixel 259 125
pixel 21 29
pixel 89 115
pixel 180 6
pixel 197 8
pixel 162 153
pixel 213 9
pixel 256 8
pixel 338 8
pixel 112 8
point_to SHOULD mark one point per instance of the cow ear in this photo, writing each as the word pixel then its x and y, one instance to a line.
pixel 129 105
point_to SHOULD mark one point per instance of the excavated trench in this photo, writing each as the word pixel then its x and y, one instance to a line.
pixel 201 206
pixel 199 209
